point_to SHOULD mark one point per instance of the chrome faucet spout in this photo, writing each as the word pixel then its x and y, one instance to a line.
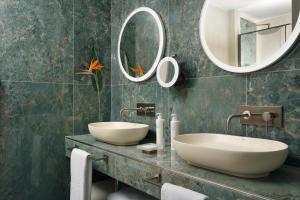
pixel 141 109
pixel 128 109
pixel 230 117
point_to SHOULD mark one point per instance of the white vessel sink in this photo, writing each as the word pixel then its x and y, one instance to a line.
pixel 119 133
pixel 239 156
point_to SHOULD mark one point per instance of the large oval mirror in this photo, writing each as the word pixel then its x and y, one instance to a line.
pixel 248 35
pixel 141 44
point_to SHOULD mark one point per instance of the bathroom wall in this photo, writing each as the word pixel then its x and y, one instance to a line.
pixel 41 101
pixel 209 94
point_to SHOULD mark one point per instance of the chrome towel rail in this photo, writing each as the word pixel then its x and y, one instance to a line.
pixel 94 158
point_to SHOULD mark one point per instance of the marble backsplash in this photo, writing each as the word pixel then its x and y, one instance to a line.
pixel 209 94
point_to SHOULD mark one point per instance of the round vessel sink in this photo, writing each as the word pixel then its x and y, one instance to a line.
pixel 234 155
pixel 118 133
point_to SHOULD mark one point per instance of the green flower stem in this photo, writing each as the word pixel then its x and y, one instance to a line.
pixel 98 92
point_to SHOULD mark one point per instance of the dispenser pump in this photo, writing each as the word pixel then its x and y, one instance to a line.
pixel 159 115
pixel 174 117
pixel 175 128
pixel 160 131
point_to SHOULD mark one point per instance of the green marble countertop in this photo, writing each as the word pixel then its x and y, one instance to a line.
pixel 281 184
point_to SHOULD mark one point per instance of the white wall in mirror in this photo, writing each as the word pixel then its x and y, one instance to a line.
pixel 249 35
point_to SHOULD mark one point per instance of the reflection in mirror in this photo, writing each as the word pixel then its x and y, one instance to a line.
pixel 141 44
pixel 167 72
pixel 249 32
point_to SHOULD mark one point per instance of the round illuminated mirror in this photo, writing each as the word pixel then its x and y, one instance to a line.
pixel 249 35
pixel 141 44
pixel 167 72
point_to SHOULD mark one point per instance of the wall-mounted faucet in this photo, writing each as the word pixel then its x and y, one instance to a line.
pixel 259 116
pixel 230 117
pixel 141 108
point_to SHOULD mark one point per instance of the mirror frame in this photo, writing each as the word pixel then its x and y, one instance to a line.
pixel 161 48
pixel 176 72
pixel 269 61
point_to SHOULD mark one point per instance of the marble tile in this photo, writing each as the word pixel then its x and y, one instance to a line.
pixel 116 24
pixel 92 29
pixel 116 103
pixel 105 104
pixel 275 89
pixel 87 109
pixel 36 41
pixel 204 104
pixel 34 120
pixel 134 173
pixel 22 98
pixel 36 104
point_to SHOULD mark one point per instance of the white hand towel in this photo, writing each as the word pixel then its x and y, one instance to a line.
pixel 128 193
pixel 174 192
pixel 81 175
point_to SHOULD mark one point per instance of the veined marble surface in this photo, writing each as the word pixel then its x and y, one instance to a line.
pixel 209 94
pixel 281 184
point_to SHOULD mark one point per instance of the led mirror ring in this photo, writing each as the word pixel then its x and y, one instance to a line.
pixel 160 49
pixel 267 62
pixel 159 69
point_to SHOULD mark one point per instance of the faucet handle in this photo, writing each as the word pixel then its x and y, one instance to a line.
pixel 246 114
pixel 146 109
pixel 262 114
pixel 267 116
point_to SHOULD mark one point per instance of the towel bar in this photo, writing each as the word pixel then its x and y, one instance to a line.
pixel 154 180
pixel 94 158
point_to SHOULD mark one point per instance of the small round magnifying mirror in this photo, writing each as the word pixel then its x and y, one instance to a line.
pixel 167 72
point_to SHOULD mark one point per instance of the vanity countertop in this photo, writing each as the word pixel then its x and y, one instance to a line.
pixel 281 184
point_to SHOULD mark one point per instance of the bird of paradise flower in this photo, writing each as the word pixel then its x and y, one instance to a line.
pixel 138 70
pixel 94 69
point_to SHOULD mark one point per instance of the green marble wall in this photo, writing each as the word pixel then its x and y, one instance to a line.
pixel 41 101
pixel 209 94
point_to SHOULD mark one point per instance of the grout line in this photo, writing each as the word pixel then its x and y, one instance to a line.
pixel 73 67
pixel 37 82
pixel 44 82
pixel 131 83
pixel 246 93
pixel 110 58
pixel 196 78
pixel 276 71
pixel 217 76
pixel 122 103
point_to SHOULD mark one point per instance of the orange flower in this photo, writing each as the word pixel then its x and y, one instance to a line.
pixel 138 70
pixel 95 65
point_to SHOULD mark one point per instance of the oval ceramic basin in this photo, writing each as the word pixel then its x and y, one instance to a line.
pixel 119 133
pixel 235 155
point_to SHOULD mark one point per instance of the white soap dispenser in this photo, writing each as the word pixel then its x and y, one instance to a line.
pixel 160 131
pixel 175 128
